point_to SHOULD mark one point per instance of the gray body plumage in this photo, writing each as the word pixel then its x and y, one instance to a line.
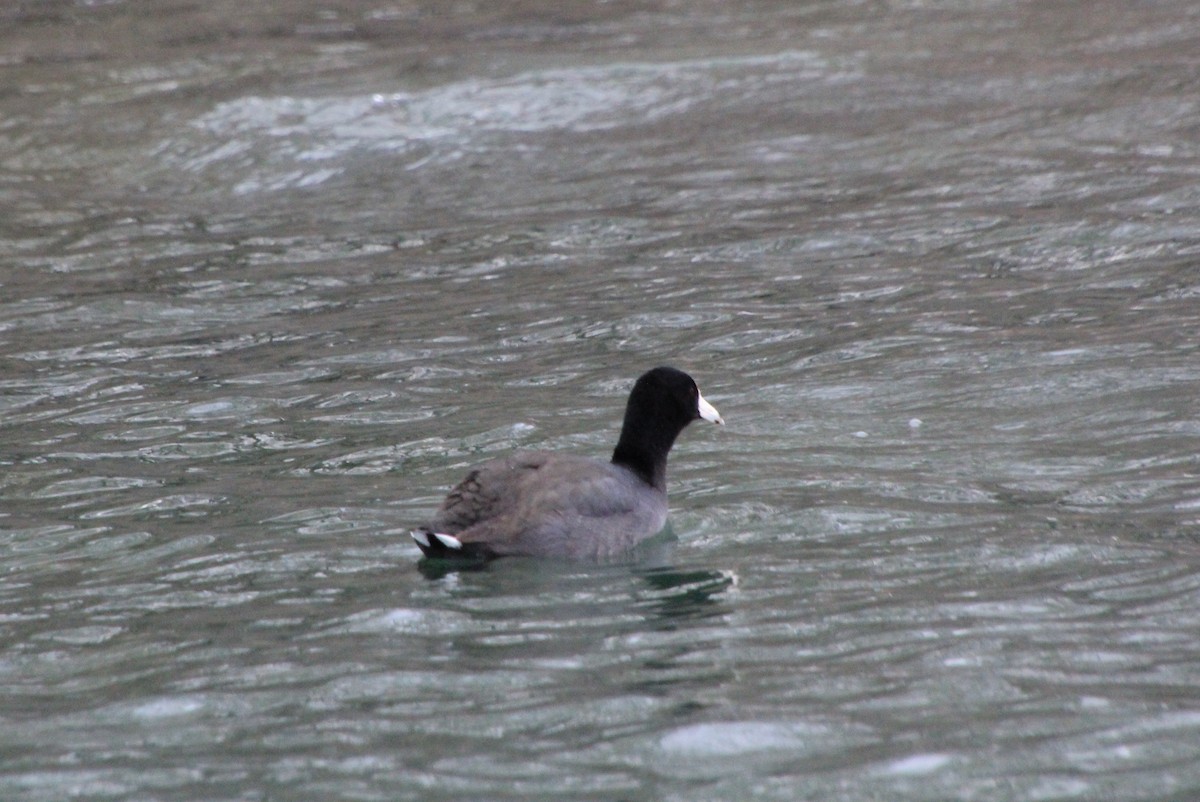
pixel 552 505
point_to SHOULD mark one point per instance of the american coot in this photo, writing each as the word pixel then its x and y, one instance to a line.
pixel 540 503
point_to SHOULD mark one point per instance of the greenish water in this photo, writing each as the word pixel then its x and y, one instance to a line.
pixel 273 276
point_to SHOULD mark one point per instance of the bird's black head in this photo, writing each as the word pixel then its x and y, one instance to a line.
pixel 663 401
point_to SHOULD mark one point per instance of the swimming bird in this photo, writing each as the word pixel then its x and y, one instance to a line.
pixel 548 504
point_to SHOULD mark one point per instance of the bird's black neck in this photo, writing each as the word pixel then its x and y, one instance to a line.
pixel 643 449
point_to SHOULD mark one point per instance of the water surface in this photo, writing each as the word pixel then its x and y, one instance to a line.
pixel 272 278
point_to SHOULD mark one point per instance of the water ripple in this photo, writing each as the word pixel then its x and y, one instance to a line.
pixel 274 289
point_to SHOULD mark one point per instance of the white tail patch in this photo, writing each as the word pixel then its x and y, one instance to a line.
pixel 449 541
pixel 421 538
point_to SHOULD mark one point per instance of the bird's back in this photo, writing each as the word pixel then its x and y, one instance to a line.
pixel 547 504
